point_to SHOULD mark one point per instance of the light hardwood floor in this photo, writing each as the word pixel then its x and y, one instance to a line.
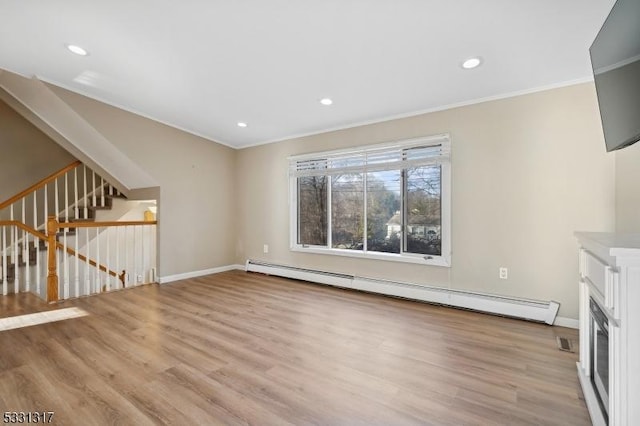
pixel 241 348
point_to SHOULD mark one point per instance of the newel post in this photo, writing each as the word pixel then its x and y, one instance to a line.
pixel 52 265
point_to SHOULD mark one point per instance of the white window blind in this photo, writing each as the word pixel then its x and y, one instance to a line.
pixel 412 153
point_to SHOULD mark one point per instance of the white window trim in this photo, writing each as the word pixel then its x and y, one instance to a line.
pixel 445 202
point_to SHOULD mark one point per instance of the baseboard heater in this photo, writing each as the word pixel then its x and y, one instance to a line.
pixel 533 310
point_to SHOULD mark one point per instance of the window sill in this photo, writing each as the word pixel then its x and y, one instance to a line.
pixel 392 257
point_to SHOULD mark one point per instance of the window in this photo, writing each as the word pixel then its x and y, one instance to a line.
pixel 389 201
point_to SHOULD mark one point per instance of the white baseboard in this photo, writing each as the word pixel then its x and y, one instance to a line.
pixel 195 274
pixel 542 311
pixel 567 322
pixel 340 281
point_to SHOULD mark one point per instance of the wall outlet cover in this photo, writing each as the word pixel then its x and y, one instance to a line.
pixel 504 273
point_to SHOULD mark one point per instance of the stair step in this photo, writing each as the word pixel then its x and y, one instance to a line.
pixel 81 214
pixel 31 245
pixel 122 196
pixel 91 209
pixel 108 202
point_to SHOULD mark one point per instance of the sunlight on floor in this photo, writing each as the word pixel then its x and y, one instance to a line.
pixel 28 320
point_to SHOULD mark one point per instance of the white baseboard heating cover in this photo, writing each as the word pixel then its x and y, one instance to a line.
pixel 534 310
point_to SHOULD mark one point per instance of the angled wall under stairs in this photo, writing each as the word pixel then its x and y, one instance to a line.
pixel 37 103
pixel 26 154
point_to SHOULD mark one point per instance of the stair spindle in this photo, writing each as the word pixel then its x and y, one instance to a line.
pixel 25 247
pixel 102 191
pixel 5 284
pixel 36 244
pixel 24 220
pixel 142 253
pixel 135 258
pixel 126 256
pixel 56 205
pixel 11 235
pixel 85 198
pixel 76 208
pixel 46 205
pixel 98 286
pixel 66 197
pixel 118 254
pixel 16 262
pixel 76 277
pixel 65 267
pixel 93 192
pixel 107 261
pixel 60 271
pixel 35 210
pixel 87 272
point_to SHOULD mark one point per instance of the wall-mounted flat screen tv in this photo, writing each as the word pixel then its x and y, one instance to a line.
pixel 615 57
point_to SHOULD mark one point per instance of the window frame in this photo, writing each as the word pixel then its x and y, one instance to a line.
pixel 444 160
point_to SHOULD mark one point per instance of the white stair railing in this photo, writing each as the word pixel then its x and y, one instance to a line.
pixel 67 193
pixel 48 245
pixel 74 262
pixel 21 267
pixel 97 257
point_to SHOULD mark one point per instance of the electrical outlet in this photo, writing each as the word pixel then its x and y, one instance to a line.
pixel 139 277
pixel 504 273
pixel 265 248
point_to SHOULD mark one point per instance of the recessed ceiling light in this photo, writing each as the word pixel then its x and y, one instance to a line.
pixel 77 50
pixel 471 63
pixel 326 101
pixel 241 124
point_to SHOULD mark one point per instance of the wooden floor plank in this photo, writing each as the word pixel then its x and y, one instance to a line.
pixel 240 348
pixel 20 304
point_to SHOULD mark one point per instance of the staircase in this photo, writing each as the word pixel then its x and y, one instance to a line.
pixel 65 247
pixel 86 214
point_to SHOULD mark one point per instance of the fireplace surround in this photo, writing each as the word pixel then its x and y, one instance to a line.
pixel 609 366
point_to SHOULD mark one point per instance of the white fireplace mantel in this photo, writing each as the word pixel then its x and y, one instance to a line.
pixel 610 274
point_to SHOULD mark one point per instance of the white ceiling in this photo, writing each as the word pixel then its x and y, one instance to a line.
pixel 203 66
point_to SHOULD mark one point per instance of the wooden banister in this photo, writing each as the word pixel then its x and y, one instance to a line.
pixel 40 184
pixel 24 227
pixel 84 258
pixel 108 224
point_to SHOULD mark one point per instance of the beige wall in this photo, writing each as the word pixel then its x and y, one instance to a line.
pixel 196 210
pixel 26 154
pixel 628 189
pixel 528 171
